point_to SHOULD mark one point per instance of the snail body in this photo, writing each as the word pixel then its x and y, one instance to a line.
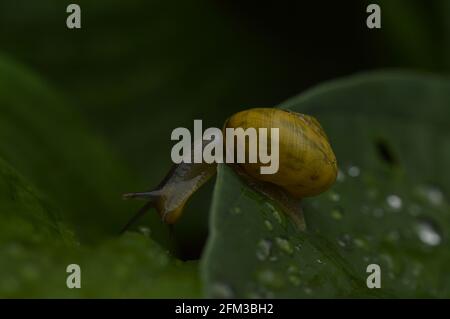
pixel 172 194
pixel 307 166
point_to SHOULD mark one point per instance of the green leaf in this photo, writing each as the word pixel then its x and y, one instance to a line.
pixel 390 132
pixel 36 247
pixel 132 266
pixel 51 144
pixel 26 214
pixel 55 173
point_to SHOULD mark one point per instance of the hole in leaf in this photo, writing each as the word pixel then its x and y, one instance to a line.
pixel 385 152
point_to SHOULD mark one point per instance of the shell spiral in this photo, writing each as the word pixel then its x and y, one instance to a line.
pixel 307 164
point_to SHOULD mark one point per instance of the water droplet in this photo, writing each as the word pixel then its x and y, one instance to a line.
pixel 429 233
pixel 292 269
pixel 344 241
pixel 354 171
pixel 253 295
pixel 340 176
pixel 378 212
pixel 307 290
pixel 359 242
pixel 294 279
pixel 294 275
pixel 270 279
pixel 269 206
pixel 236 210
pixel 335 197
pixel 145 231
pixel 260 292
pixel 277 216
pixel 263 249
pixel 433 194
pixel 284 245
pixel 268 225
pixel 406 282
pixel 393 236
pixel 221 291
pixel 394 202
pixel 337 213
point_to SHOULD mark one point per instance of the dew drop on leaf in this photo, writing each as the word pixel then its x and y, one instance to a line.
pixel 340 176
pixel 268 225
pixel 236 210
pixel 284 245
pixel 429 233
pixel 334 197
pixel 294 279
pixel 145 231
pixel 307 290
pixel 344 241
pixel 359 242
pixel 292 269
pixel 354 171
pixel 277 216
pixel 270 279
pixel 294 275
pixel 337 213
pixel 220 290
pixel 263 249
pixel 433 194
pixel 394 202
pixel 393 236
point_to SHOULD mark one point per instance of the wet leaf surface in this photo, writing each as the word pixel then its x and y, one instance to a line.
pixel 390 132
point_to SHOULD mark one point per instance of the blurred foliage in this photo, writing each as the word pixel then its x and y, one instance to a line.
pixel 51 145
pixel 96 121
pixel 134 61
pixel 138 69
pixel 75 176
pixel 389 206
pixel 418 33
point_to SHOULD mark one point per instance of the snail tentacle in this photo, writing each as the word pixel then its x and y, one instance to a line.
pixel 138 215
pixel 144 195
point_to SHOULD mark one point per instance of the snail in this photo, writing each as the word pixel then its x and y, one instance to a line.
pixel 307 167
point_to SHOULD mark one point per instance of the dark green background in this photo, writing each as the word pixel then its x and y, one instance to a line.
pixel 138 69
